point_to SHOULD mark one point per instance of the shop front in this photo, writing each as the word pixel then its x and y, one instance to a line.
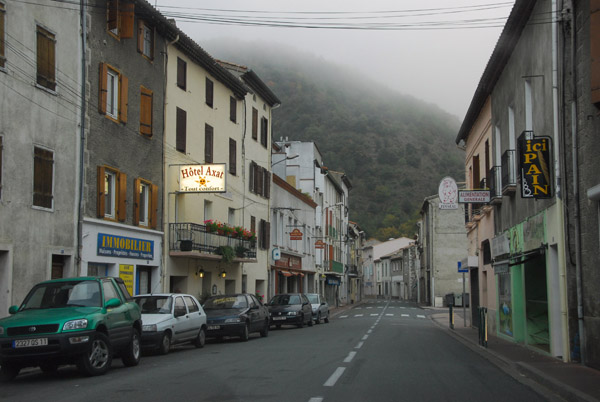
pixel 131 253
pixel 288 276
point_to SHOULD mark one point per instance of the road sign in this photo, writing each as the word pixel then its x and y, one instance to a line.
pixel 461 269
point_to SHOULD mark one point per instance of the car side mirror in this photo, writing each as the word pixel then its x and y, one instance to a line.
pixel 112 303
pixel 13 309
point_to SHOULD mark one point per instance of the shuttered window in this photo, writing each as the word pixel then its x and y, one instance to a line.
pixel 2 46
pixel 232 109
pixel 146 97
pixel 145 203
pixel 254 124
pixel 259 180
pixel 264 131
pixel 46 70
pixel 232 157
pixel 209 92
pixel 595 51
pixel 208 143
pixel 112 194
pixel 43 174
pixel 120 18
pixel 180 130
pixel 264 235
pixel 181 73
pixel 145 39
pixel 113 93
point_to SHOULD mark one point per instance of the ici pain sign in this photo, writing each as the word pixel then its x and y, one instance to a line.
pixel 535 165
pixel 202 178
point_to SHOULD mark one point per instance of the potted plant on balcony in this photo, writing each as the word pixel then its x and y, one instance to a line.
pixel 226 252
pixel 238 231
pixel 211 226
pixel 240 251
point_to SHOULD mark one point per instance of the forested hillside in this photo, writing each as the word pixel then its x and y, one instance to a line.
pixel 395 149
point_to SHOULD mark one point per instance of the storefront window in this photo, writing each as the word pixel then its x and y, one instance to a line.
pixel 505 303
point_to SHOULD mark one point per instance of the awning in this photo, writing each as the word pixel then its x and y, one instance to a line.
pixel 285 273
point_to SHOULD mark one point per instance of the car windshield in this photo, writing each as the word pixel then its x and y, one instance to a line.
pixel 284 300
pixel 313 298
pixel 63 294
pixel 224 302
pixel 154 304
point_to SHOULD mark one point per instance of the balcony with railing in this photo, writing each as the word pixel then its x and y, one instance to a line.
pixel 509 174
pixel 495 184
pixel 192 240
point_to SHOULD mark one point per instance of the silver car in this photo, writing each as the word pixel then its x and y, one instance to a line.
pixel 320 308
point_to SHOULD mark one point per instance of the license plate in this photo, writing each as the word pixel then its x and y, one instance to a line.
pixel 278 318
pixel 213 327
pixel 27 343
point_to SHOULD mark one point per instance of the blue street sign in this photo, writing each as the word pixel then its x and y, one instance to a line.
pixel 462 270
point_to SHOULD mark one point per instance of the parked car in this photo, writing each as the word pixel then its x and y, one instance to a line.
pixel 290 308
pixel 169 319
pixel 236 315
pixel 320 307
pixel 82 321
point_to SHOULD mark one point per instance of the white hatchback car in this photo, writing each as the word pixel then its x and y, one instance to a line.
pixel 320 307
pixel 169 319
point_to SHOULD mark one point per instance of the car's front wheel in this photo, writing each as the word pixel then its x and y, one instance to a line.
pixel 310 321
pixel 200 339
pixel 301 323
pixel 265 331
pixel 8 372
pixel 245 333
pixel 318 320
pixel 133 351
pixel 165 344
pixel 97 360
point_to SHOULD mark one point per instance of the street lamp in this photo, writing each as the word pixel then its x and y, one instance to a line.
pixel 287 158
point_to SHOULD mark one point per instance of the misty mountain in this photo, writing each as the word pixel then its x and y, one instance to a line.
pixel 394 148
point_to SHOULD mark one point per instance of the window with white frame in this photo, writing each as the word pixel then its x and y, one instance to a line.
pixel 112 94
pixel 144 204
pixel 110 193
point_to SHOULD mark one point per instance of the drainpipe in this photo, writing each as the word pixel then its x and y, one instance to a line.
pixel 82 6
pixel 577 224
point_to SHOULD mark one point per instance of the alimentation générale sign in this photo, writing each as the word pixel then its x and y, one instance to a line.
pixel 125 247
pixel 535 165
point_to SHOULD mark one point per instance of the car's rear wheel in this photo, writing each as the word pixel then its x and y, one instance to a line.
pixel 200 340
pixel 245 333
pixel 326 318
pixel 8 372
pixel 310 321
pixel 97 360
pixel 265 331
pixel 131 355
pixel 301 323
pixel 318 320
pixel 165 344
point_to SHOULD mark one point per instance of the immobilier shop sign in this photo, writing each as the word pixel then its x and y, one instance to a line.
pixel 536 165
pixel 202 178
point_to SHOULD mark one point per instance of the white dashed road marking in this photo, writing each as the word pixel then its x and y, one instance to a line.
pixel 334 377
pixel 420 316
pixel 405 315
pixel 350 357
pixel 359 345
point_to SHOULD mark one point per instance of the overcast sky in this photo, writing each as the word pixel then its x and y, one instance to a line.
pixel 434 50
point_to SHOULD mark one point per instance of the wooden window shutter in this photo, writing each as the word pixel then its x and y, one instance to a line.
pixel 100 193
pixel 232 109
pixel 146 111
pixel 267 235
pixel 209 92
pixel 232 157
pixel 123 85
pixel 112 15
pixel 267 184
pixel 181 73
pixel 127 20
pixel 263 234
pixel 264 128
pixel 136 201
pixel 595 51
pixel 251 177
pixel 42 177
pixel 476 177
pixel 258 180
pixel 254 124
pixel 208 143
pixel 122 197
pixel 180 130
pixel 153 213
pixel 140 36
pixel 326 223
pixel 102 88
pixel 46 75
pixel 253 224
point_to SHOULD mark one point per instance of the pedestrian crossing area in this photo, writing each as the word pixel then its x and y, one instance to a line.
pixel 384 309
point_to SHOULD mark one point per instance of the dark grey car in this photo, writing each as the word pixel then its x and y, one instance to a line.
pixel 290 309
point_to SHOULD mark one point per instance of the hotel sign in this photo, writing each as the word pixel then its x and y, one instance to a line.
pixel 535 165
pixel 125 247
pixel 202 178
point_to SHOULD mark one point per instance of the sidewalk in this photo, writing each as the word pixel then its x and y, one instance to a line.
pixel 570 381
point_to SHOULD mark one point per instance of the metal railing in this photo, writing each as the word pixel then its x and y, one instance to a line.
pixel 495 182
pixel 195 237
pixel 509 174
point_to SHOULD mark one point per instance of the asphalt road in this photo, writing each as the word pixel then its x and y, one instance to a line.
pixel 378 351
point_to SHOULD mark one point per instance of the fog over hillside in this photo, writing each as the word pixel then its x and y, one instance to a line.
pixel 394 148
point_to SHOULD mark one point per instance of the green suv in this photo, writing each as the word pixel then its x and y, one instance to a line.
pixel 82 321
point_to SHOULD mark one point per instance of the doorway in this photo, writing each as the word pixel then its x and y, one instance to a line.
pixel 536 303
pixel 474 278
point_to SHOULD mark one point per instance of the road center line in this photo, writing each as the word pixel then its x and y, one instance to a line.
pixel 350 356
pixel 334 377
pixel 364 338
pixel 316 399
pixel 359 345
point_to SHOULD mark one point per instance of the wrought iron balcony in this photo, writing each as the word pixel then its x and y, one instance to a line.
pixel 495 184
pixel 509 174
pixel 186 238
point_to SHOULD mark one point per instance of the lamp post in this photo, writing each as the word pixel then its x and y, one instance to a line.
pixel 287 158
